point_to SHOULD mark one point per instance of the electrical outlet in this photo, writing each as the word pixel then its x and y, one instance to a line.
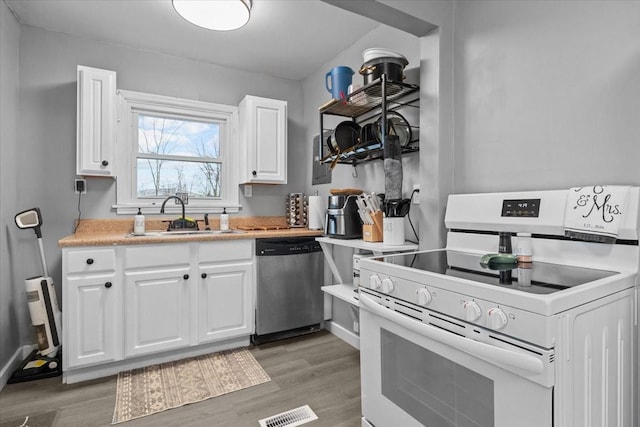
pixel 80 186
pixel 416 195
pixel 248 191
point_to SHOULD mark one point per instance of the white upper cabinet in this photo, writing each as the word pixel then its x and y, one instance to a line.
pixel 96 122
pixel 263 139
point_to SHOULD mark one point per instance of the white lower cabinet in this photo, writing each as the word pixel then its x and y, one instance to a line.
pixel 225 302
pixel 156 311
pixel 91 320
pixel 153 303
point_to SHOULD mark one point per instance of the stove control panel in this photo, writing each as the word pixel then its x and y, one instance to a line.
pixel 436 294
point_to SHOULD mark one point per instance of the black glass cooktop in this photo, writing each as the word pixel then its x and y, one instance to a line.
pixel 537 277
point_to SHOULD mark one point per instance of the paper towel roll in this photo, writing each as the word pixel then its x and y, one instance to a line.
pixel 316 213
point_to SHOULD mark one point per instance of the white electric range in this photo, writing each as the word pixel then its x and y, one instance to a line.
pixel 449 341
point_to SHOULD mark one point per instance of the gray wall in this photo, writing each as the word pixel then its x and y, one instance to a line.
pixel 38 143
pixel 547 94
pixel 12 299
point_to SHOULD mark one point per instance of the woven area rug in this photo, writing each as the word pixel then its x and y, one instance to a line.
pixel 156 388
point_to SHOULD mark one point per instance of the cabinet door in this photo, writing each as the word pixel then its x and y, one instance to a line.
pixel 156 310
pixel 96 121
pixel 91 320
pixel 264 129
pixel 225 302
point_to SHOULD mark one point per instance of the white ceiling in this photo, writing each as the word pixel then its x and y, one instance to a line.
pixel 284 38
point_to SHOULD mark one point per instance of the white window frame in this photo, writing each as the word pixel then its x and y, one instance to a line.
pixel 130 104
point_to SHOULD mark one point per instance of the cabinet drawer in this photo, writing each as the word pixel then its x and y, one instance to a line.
pixel 90 260
pixel 144 256
pixel 230 250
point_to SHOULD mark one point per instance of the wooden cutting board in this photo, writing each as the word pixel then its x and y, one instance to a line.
pixel 345 191
pixel 261 227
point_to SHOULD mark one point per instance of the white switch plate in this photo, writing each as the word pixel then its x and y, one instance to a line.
pixel 248 191
pixel 416 195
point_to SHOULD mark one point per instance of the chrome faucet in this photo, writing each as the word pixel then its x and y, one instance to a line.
pixel 181 202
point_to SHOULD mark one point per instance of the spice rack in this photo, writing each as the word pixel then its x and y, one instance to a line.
pixel 363 104
pixel 297 210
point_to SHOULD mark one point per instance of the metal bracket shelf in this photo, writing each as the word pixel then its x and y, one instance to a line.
pixel 366 100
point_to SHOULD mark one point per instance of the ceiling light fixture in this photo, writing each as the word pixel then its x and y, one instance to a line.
pixel 221 15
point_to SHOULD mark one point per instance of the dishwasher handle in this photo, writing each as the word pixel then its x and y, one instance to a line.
pixel 287 246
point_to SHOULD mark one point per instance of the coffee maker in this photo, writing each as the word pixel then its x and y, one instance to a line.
pixel 342 220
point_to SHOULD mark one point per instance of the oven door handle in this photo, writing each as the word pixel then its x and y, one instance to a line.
pixel 494 355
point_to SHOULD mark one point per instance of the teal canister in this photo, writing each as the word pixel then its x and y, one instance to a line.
pixel 340 78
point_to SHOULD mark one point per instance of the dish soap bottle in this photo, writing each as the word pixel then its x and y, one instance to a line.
pixel 224 220
pixel 138 223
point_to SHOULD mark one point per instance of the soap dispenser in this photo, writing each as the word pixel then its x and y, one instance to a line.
pixel 138 223
pixel 224 220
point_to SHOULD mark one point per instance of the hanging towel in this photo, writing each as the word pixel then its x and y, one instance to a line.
pixel 595 213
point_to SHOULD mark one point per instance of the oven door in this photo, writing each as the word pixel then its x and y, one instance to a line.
pixel 416 374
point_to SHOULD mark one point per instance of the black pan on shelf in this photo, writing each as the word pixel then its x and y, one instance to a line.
pixel 345 136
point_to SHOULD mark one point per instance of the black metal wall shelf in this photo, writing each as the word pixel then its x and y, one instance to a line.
pixel 361 105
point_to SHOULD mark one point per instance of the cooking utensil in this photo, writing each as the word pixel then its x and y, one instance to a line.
pixel 398 207
pixel 396 125
pixel 392 67
pixel 344 136
pixel 375 202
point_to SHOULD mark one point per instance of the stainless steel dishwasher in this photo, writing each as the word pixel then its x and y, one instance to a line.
pixel 290 272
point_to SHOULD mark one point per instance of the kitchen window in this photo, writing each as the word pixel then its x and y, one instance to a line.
pixel 170 146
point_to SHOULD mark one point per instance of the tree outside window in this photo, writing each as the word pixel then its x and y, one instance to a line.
pixel 178 156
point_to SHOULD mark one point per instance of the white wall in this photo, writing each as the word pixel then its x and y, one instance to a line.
pixel 547 94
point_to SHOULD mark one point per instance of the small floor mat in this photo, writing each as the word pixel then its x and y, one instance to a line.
pixel 153 389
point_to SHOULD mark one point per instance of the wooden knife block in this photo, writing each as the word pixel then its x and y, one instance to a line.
pixel 373 232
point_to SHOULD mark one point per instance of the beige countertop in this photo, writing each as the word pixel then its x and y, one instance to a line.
pixel 107 232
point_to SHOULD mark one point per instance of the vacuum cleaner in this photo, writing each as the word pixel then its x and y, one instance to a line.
pixel 46 318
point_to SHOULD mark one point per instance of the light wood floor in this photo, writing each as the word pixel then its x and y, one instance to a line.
pixel 318 370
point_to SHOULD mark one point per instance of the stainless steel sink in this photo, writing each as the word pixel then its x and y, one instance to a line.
pixel 183 233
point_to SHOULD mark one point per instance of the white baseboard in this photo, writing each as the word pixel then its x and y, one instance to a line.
pixel 75 375
pixel 343 333
pixel 14 362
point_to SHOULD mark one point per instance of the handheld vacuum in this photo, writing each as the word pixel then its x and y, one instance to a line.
pixel 46 318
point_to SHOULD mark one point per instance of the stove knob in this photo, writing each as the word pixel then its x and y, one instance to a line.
pixel 497 318
pixel 472 311
pixel 424 297
pixel 387 286
pixel 375 282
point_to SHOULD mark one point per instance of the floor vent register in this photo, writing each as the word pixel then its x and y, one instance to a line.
pixel 294 417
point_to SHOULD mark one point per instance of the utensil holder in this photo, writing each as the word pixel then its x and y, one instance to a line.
pixel 393 233
pixel 373 232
